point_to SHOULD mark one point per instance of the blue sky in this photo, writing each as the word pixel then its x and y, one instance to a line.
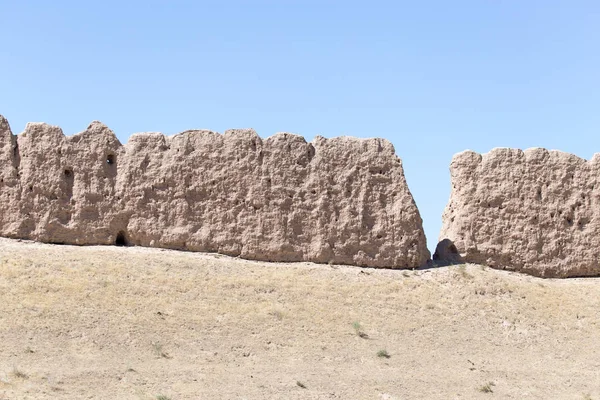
pixel 433 77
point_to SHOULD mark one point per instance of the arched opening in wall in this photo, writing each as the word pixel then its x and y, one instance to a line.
pixel 110 159
pixel 446 253
pixel 121 239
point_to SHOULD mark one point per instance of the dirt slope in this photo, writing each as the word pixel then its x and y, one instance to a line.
pixel 138 323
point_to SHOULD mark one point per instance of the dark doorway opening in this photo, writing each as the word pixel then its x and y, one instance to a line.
pixel 121 239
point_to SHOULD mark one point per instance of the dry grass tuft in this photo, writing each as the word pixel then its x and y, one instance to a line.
pixel 358 329
pixel 17 373
pixel 487 388
pixel 383 354
pixel 462 272
pixel 159 351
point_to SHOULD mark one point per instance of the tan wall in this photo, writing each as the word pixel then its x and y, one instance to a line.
pixel 534 211
pixel 341 200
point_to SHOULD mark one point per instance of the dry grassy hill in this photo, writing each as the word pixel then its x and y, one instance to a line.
pixel 136 323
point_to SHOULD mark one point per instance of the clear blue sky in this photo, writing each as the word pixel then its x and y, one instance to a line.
pixel 433 77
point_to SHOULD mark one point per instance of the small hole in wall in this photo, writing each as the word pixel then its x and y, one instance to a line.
pixel 68 173
pixel 569 221
pixel 121 239
pixel 31 188
pixel 110 159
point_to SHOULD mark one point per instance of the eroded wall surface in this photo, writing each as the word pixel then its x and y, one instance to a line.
pixel 534 211
pixel 341 200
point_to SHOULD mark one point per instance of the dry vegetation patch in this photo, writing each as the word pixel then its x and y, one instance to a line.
pixel 135 323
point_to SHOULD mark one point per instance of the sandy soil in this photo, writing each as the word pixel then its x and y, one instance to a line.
pixel 135 323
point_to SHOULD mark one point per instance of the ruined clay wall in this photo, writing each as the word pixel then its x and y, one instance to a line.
pixel 534 211
pixel 341 200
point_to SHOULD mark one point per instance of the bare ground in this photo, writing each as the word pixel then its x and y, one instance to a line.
pixel 135 323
